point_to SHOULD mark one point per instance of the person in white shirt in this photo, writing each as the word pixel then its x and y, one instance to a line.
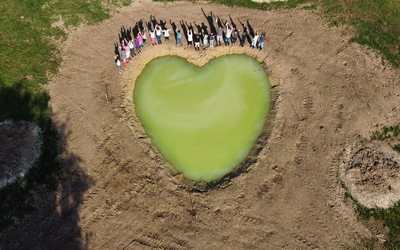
pixel 190 37
pixel 132 47
pixel 166 34
pixel 118 63
pixel 228 34
pixel 254 41
pixel 158 33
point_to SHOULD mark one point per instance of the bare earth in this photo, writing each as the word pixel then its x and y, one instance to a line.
pixel 116 193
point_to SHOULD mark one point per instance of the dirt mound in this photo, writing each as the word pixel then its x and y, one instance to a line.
pixel 21 144
pixel 372 176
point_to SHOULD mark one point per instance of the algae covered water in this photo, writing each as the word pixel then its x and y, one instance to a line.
pixel 204 121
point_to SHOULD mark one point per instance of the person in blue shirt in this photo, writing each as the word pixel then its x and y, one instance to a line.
pixel 262 39
pixel 178 37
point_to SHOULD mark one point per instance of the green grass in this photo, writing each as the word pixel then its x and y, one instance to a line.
pixel 377 23
pixel 28 56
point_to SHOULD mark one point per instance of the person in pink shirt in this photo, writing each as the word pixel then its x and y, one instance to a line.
pixel 127 49
pixel 153 37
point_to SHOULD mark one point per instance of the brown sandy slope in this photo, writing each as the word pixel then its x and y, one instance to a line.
pixel 117 194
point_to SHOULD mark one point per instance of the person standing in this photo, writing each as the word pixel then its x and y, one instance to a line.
pixel 196 41
pixel 123 53
pixel 244 37
pixel 153 37
pixel 211 37
pixel 127 50
pixel 132 47
pixel 118 63
pixel 205 40
pixel 166 34
pixel 254 41
pixel 262 39
pixel 235 37
pixel 219 36
pixel 138 43
pixel 178 37
pixel 144 37
pixel 190 37
pixel 228 34
pixel 158 34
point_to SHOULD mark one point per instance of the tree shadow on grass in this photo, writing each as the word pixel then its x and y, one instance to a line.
pixel 40 210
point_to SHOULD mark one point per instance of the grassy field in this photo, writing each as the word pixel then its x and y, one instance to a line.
pixel 29 56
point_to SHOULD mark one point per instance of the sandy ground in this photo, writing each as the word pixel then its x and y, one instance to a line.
pixel 116 193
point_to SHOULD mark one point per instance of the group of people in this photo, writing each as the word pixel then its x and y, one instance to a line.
pixel 132 41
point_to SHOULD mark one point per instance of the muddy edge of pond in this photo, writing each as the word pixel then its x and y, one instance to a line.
pixel 199 59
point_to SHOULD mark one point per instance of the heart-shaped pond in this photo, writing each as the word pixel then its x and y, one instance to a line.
pixel 203 120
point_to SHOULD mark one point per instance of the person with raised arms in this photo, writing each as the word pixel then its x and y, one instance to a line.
pixel 178 37
pixel 158 33
pixel 166 34
pixel 228 34
pixel 190 37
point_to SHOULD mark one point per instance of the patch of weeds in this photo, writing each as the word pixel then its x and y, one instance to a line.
pixel 361 242
pixel 390 217
pixel 311 7
pixel 390 134
pixel 334 10
pixel 377 23
pixel 120 2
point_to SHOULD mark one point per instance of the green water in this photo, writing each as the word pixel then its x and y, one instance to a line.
pixel 204 121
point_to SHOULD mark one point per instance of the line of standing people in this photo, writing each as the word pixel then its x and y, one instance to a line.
pixel 132 41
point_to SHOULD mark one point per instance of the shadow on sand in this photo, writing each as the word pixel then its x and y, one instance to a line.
pixel 40 211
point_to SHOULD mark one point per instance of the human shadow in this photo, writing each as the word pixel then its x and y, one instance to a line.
pixel 162 24
pixel 210 21
pixel 198 26
pixel 149 25
pixel 140 24
pixel 116 49
pixel 245 30
pixel 251 30
pixel 173 25
pixel 204 28
pixel 189 26
pixel 153 21
pixel 124 34
pixel 232 22
pixel 184 29
pixel 135 29
pixel 220 23
pixel 41 210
